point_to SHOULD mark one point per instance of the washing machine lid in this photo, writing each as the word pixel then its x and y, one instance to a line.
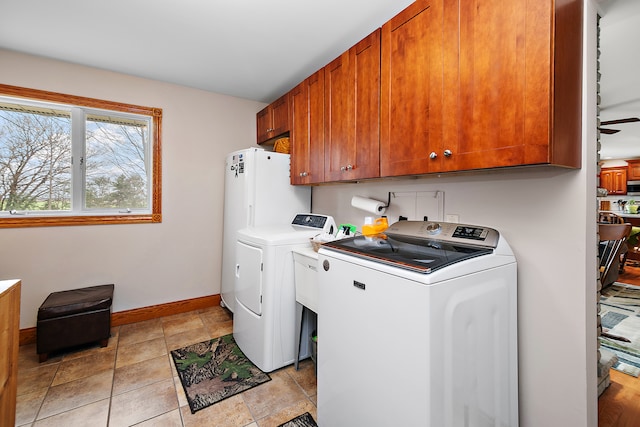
pixel 303 227
pixel 276 235
pixel 421 246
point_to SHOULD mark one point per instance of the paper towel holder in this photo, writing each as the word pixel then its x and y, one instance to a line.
pixel 371 205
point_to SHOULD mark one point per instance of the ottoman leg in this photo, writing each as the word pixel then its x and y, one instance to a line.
pixel 104 342
pixel 43 357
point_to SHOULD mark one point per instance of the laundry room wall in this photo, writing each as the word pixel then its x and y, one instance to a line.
pixel 149 264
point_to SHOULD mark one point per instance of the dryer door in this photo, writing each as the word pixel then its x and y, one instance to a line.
pixel 248 280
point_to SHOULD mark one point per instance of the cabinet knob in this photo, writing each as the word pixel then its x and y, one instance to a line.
pixel 448 153
pixel 433 155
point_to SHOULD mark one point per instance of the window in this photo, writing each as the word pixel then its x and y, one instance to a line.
pixel 67 160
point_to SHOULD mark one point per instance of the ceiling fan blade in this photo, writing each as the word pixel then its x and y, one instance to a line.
pixel 618 121
pixel 608 131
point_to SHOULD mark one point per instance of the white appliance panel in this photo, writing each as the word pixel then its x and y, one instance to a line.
pixel 479 369
pixel 257 192
pixel 268 339
pixel 248 286
pixel 432 350
pixel 357 329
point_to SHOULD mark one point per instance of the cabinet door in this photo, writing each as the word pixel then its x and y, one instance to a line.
pixel 280 116
pixel 491 88
pixel 411 105
pixel 614 180
pixel 9 342
pixel 620 181
pixel 352 95
pixel 606 180
pixel 273 120
pixel 306 105
pixel 518 85
pixel 263 124
pixel 633 170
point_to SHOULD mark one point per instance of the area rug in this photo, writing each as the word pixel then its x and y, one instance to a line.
pixel 214 370
pixel 620 316
pixel 304 420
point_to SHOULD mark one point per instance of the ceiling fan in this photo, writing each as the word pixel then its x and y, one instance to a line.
pixel 615 122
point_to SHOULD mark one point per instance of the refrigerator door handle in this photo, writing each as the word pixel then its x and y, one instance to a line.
pixel 251 216
pixel 237 270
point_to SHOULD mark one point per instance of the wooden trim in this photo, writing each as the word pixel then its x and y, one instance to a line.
pixel 28 335
pixel 156 147
pixel 161 310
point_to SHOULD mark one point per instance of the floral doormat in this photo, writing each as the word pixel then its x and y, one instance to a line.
pixel 214 370
pixel 304 420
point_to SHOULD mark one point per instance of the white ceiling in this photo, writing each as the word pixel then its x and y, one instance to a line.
pixel 253 49
pixel 620 80
pixel 259 49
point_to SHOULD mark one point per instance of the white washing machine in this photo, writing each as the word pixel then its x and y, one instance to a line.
pixel 418 327
pixel 264 317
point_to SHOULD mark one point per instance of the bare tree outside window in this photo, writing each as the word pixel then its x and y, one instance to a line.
pixel 116 171
pixel 35 161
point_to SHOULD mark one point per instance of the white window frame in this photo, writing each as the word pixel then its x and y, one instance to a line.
pixel 80 108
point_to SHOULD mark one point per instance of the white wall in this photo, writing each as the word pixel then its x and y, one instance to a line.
pixel 548 216
pixel 149 263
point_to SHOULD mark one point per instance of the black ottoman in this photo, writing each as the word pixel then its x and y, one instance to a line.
pixel 70 318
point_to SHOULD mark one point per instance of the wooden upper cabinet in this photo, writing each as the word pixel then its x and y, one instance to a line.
pixel 273 120
pixel 411 107
pixel 306 108
pixel 481 84
pixel 352 96
pixel 518 88
pixel 633 170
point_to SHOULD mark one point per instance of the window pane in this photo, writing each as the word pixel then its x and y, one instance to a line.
pixel 116 164
pixel 35 159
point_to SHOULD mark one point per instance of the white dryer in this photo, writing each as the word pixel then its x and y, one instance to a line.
pixel 264 317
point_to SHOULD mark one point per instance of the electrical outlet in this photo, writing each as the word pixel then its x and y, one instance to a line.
pixel 452 218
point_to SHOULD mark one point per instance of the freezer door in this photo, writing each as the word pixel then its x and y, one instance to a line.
pixel 236 214
pixel 274 200
pixel 248 277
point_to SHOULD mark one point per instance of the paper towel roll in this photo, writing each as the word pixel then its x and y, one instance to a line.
pixel 368 205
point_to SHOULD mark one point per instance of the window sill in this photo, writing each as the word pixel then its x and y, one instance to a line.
pixel 44 221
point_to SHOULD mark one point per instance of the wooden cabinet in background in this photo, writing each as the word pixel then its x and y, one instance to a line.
pixel 614 180
pixel 633 170
pixel 306 108
pixel 9 342
pixel 273 120
pixel 352 97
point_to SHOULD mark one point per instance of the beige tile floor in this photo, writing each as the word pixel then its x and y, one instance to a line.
pixel 133 381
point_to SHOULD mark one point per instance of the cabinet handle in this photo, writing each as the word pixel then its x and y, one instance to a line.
pixel 433 155
pixel 304 174
pixel 347 168
pixel 448 153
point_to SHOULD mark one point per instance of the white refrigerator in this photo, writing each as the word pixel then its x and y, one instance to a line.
pixel 257 192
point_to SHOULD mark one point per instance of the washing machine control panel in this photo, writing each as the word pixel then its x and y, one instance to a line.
pixel 446 232
pixel 321 222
